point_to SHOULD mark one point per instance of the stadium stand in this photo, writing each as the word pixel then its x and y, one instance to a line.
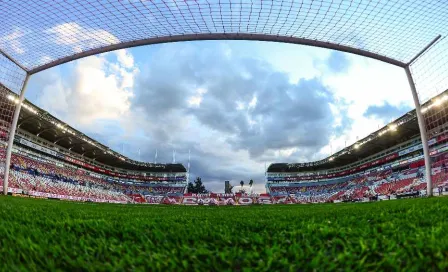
pixel 399 176
pixel 32 173
pixel 393 170
pixel 55 160
pixel 48 163
pixel 387 163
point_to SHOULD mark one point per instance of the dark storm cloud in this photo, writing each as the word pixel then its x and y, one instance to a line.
pixel 211 168
pixel 286 115
pixel 295 115
pixel 386 112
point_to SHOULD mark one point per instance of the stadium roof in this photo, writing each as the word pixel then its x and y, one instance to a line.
pixel 42 124
pixel 398 131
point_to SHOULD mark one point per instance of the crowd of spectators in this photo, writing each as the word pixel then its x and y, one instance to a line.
pixel 33 173
pixel 366 186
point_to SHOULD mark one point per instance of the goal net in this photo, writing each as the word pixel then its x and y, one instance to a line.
pixel 430 74
pixel 12 78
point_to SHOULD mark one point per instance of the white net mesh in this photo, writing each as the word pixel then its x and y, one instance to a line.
pixel 430 71
pixel 11 81
pixel 38 32
pixel 430 74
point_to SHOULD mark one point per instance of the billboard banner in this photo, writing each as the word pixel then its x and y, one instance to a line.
pixel 221 200
pixel 37 147
pixel 172 200
pixel 410 150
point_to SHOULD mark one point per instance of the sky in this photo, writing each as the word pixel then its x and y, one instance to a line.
pixel 236 105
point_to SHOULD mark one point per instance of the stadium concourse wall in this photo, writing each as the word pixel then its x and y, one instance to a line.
pixel 245 200
pixel 185 199
pixel 206 199
pixel 33 194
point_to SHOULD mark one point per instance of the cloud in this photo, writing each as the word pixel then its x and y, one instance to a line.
pixel 338 62
pixel 12 41
pixel 125 58
pixel 366 83
pixel 80 38
pixel 235 110
pixel 335 63
pixel 248 103
pixel 294 116
pixel 386 112
pixel 95 89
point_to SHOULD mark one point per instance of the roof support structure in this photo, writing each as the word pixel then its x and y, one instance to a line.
pixel 44 130
pixel 97 156
pixel 60 139
pixel 75 145
pixel 87 151
pixel 27 119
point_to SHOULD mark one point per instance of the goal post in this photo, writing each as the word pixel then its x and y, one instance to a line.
pixel 12 83
pixel 12 133
pixel 422 129
pixel 427 74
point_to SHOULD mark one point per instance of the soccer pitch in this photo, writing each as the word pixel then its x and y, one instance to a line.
pixel 47 235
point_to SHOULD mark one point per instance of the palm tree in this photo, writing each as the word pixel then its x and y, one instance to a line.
pixel 251 182
pixel 242 184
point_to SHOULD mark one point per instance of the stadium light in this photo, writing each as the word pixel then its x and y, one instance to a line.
pixel 356 146
pixel 13 99
pixel 393 127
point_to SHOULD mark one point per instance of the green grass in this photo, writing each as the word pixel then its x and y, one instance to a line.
pixel 408 235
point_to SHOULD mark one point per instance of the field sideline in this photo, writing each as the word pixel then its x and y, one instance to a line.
pixel 408 235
